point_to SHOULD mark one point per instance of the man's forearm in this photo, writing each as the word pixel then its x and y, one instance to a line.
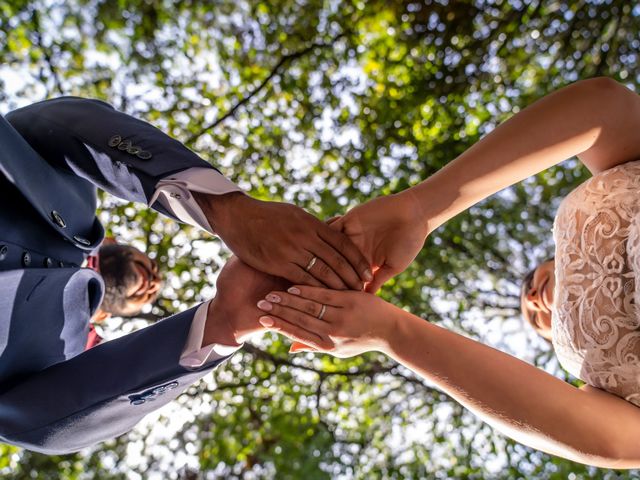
pixel 221 210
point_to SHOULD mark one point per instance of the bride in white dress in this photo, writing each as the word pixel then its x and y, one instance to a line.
pixel 586 301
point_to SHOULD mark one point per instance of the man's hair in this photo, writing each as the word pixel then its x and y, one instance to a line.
pixel 119 275
pixel 525 285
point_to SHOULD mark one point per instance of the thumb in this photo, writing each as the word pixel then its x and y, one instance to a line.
pixel 335 222
pixel 300 347
pixel 380 276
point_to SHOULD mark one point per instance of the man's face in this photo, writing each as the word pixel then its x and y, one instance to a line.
pixel 131 279
pixel 536 298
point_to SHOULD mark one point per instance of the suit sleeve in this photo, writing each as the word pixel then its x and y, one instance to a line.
pixel 101 393
pixel 114 151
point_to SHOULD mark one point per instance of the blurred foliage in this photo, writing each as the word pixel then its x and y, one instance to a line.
pixel 326 104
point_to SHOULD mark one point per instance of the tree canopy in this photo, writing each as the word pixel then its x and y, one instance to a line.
pixel 326 105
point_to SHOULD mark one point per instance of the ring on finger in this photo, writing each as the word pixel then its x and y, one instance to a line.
pixel 311 263
pixel 322 311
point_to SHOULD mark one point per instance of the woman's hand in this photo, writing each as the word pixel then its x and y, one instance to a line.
pixel 389 231
pixel 342 323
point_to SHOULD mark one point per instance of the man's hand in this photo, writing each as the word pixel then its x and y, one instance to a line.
pixel 283 240
pixel 389 231
pixel 232 315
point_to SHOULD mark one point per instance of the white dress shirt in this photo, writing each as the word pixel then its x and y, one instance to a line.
pixel 174 194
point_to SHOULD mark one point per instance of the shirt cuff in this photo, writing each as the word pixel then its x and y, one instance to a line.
pixel 174 193
pixel 194 355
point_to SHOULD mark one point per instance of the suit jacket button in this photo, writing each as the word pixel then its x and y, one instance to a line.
pixel 81 240
pixel 47 262
pixel 3 252
pixel 144 155
pixel 138 401
pixel 61 264
pixel 115 141
pixel 124 145
pixel 133 150
pixel 57 219
pixel 26 259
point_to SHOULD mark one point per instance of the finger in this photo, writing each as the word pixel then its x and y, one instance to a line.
pixel 347 250
pixel 300 347
pixel 334 298
pixel 310 307
pixel 337 263
pixel 333 220
pixel 322 272
pixel 296 317
pixel 295 333
pixel 297 274
pixel 381 276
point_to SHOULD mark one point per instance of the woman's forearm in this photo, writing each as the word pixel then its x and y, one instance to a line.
pixel 520 400
pixel 596 119
pixel 531 406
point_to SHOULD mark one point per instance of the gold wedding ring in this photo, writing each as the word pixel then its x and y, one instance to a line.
pixel 311 263
pixel 322 310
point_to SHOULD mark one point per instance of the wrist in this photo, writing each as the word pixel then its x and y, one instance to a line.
pixel 435 200
pixel 220 210
pixel 394 332
pixel 418 217
pixel 220 327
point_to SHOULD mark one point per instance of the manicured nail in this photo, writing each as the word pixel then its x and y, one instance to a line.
pixel 264 305
pixel 266 321
pixel 294 291
pixel 297 348
pixel 368 275
pixel 273 298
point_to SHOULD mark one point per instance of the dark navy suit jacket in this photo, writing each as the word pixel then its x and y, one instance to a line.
pixel 54 397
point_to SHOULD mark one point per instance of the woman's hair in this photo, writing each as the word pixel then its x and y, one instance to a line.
pixel 525 285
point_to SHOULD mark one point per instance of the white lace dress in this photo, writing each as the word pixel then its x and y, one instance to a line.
pixel 596 321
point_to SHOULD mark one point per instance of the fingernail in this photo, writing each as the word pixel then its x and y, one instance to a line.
pixel 264 305
pixel 266 321
pixel 296 349
pixel 294 291
pixel 273 298
pixel 368 276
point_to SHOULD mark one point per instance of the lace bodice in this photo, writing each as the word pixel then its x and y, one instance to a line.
pixel 596 322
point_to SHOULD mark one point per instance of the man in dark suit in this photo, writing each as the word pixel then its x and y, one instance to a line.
pixel 54 396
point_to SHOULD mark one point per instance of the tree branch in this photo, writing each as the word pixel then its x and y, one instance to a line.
pixel 46 53
pixel 601 65
pixel 284 60
pixel 279 361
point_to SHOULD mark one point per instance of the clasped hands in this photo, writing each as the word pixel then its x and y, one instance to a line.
pixel 326 309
